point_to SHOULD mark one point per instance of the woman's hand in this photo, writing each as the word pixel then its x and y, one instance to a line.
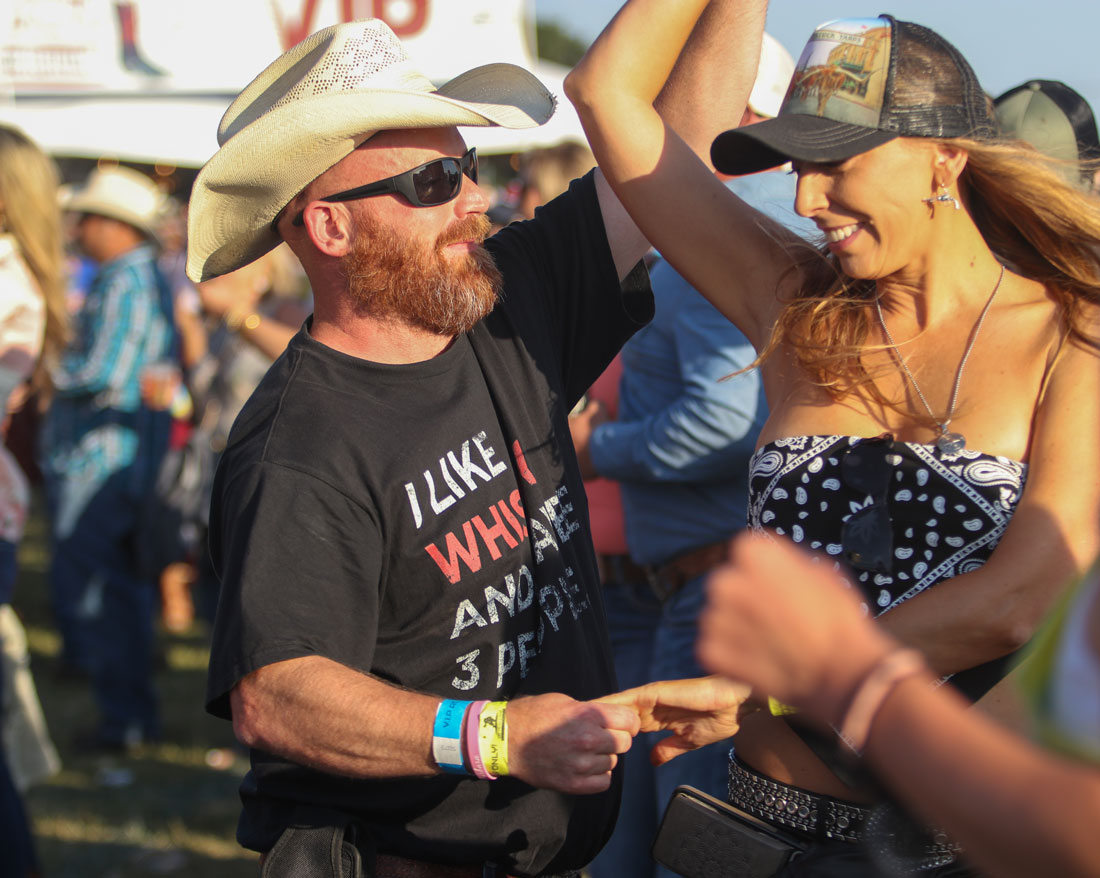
pixel 698 712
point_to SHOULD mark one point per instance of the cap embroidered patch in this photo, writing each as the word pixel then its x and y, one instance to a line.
pixel 842 72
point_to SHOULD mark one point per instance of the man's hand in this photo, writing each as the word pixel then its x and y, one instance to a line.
pixel 698 712
pixel 789 625
pixel 581 426
pixel 557 743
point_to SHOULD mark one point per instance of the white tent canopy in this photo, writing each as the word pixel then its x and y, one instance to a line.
pixel 147 81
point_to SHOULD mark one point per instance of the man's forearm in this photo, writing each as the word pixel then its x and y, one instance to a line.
pixel 705 94
pixel 319 713
pixel 708 89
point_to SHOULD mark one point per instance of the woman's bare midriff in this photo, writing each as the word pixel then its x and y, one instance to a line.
pixel 767 744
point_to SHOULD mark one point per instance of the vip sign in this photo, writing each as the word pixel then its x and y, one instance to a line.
pixel 214 46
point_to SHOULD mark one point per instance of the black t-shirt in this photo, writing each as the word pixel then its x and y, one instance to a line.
pixel 427 524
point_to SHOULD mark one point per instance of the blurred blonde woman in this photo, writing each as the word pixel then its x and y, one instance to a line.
pixel 32 331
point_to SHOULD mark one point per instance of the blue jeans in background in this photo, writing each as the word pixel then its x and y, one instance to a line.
pixel 106 611
pixel 650 641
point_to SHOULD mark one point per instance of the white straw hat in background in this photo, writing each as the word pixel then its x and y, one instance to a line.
pixel 773 77
pixel 120 193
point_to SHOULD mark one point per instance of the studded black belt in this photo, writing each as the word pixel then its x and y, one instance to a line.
pixel 815 815
pixel 818 816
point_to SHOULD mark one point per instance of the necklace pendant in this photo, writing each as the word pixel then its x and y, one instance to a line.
pixel 951 443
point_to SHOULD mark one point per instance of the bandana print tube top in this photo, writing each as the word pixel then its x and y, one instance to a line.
pixel 947 511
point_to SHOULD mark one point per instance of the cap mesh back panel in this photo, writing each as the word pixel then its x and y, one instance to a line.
pixel 934 90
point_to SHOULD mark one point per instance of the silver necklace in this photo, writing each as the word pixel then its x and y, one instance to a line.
pixel 948 443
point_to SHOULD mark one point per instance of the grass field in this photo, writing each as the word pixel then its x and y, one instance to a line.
pixel 164 811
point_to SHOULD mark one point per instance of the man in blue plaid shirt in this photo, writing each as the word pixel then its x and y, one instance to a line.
pixel 101 447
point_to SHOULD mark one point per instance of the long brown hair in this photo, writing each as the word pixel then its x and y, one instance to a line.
pixel 29 212
pixel 1028 214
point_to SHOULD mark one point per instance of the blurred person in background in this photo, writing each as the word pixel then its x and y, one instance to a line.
pixel 32 331
pixel 101 446
pixel 1058 122
pixel 547 172
pixel 248 317
pixel 679 450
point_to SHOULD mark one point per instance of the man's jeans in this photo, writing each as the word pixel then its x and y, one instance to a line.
pixel 654 641
pixel 105 611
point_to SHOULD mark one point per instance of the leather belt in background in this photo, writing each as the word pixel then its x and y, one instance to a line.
pixel 668 578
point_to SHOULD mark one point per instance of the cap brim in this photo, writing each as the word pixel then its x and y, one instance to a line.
pixel 773 142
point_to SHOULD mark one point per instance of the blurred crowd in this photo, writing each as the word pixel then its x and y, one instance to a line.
pixel 120 380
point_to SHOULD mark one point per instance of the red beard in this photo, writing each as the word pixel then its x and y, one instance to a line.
pixel 390 277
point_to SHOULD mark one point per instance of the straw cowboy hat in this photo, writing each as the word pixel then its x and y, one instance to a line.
pixel 119 193
pixel 309 109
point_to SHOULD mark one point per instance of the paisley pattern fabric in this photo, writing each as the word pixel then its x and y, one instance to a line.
pixel 948 511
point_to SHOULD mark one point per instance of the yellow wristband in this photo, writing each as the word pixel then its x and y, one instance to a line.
pixel 778 708
pixel 493 738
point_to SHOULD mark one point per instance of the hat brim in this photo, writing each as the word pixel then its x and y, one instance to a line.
pixel 241 190
pixel 794 136
pixel 79 202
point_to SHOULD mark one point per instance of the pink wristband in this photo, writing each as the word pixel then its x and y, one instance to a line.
pixel 881 680
pixel 470 741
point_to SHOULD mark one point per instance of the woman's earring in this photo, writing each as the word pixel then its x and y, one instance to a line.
pixel 944 196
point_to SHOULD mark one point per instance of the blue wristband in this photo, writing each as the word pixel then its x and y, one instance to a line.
pixel 447 736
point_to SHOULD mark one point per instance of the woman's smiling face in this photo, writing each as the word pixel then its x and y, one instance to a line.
pixel 870 207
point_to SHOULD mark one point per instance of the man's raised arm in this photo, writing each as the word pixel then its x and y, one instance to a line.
pixel 705 94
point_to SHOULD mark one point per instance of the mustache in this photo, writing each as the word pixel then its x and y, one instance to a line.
pixel 472 228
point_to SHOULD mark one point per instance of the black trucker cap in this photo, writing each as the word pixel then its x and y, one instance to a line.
pixel 859 83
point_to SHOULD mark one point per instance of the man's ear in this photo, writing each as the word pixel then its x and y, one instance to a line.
pixel 329 227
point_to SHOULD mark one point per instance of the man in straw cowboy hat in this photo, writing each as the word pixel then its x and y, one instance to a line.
pixel 409 628
pixel 102 444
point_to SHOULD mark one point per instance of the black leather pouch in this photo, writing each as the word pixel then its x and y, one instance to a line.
pixel 703 837
pixel 325 845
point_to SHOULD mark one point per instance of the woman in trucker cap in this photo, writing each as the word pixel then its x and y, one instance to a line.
pixel 931 367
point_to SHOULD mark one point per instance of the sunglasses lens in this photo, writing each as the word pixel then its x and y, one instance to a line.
pixel 469 165
pixel 867 540
pixel 865 467
pixel 437 182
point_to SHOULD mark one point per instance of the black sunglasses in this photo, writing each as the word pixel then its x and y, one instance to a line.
pixel 432 183
pixel 867 538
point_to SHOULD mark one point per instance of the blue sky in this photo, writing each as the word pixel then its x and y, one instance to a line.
pixel 1006 42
